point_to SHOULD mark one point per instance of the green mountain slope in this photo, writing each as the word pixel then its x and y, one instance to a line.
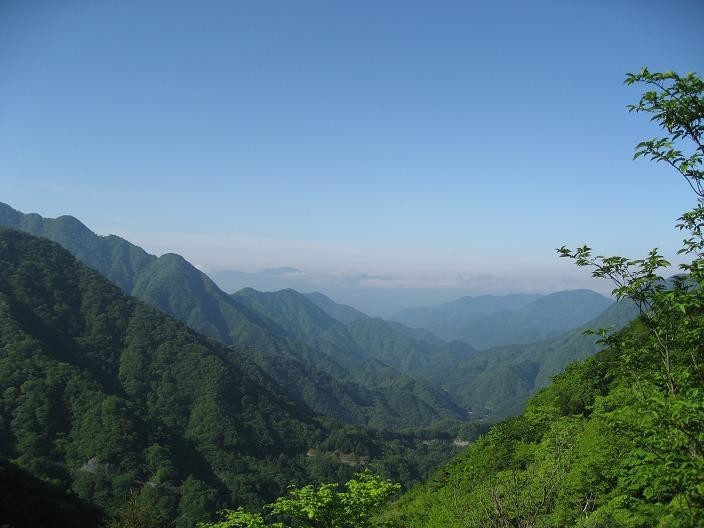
pixel 305 322
pixel 600 447
pixel 376 356
pixel 137 414
pixel 106 394
pixel 315 370
pixel 492 384
pixel 365 338
pixel 112 256
pixel 498 382
pixel 169 282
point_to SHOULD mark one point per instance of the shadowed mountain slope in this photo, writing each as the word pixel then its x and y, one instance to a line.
pixel 104 393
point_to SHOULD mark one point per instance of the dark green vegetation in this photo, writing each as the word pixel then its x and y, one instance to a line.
pixel 397 360
pixel 490 321
pixel 28 502
pixel 101 392
pixel 302 355
pixel 367 338
pixel 340 362
pixel 617 440
pixel 116 401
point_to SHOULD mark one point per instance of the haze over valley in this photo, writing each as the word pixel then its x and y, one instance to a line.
pixel 351 264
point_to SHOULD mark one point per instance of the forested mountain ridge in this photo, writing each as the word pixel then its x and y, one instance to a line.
pixel 493 384
pixel 100 392
pixel 305 322
pixel 310 371
pixel 350 344
pixel 129 408
pixel 168 282
pixel 375 355
pixel 319 359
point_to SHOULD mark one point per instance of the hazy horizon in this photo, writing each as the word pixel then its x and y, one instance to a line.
pixel 386 293
pixel 426 149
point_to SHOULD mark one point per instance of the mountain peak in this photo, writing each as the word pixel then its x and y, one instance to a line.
pixel 285 270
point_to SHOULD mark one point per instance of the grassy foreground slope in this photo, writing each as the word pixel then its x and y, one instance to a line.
pixel 583 454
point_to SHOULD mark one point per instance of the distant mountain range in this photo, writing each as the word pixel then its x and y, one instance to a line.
pixel 497 382
pixel 377 294
pixel 488 321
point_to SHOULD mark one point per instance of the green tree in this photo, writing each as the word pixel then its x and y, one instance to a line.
pixel 664 412
pixel 324 506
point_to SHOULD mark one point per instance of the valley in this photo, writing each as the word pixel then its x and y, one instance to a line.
pixel 323 264
pixel 275 387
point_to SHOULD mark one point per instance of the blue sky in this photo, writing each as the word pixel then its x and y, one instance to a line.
pixel 419 140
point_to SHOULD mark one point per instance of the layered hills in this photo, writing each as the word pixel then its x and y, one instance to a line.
pixel 503 378
pixel 489 321
pixel 127 407
pixel 103 393
pixel 340 362
pixel 313 369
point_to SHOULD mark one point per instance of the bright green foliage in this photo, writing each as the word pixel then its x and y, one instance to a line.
pixel 323 506
pixel 240 518
pixel 665 415
pixel 616 441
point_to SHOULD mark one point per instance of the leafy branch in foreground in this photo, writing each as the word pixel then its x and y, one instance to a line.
pixel 666 421
pixel 676 104
pixel 324 506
